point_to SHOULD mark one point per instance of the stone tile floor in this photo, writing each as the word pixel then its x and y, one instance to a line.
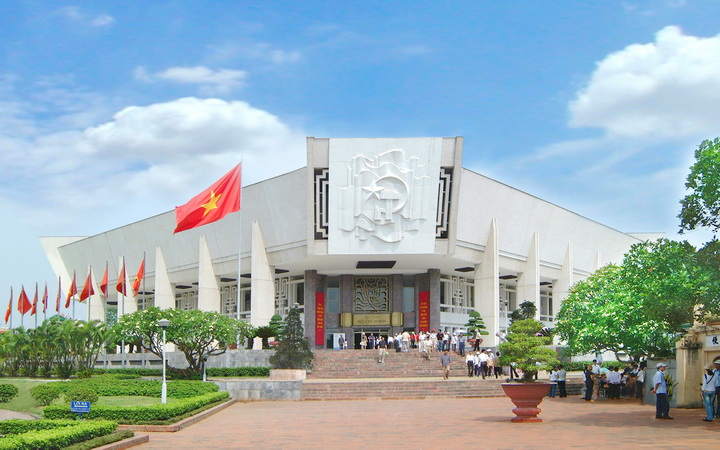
pixel 442 424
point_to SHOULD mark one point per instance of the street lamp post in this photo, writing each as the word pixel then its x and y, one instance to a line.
pixel 163 323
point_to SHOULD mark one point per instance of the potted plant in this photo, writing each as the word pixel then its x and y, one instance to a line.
pixel 526 349
pixel 293 356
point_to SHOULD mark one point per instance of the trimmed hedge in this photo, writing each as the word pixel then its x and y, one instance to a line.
pixel 46 393
pixel 211 371
pixel 19 426
pixel 57 437
pixel 238 372
pixel 110 386
pixel 8 392
pixel 139 414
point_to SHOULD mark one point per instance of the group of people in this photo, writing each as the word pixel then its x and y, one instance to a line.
pixel 483 363
pixel 613 383
pixel 400 342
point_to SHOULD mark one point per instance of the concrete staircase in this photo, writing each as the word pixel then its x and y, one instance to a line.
pixel 356 374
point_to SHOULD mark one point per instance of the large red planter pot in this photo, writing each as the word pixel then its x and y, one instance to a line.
pixel 527 397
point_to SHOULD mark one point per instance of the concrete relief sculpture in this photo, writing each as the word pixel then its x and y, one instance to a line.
pixel 385 202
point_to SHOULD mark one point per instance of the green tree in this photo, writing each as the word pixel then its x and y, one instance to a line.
pixel 601 313
pixel 265 333
pixel 195 333
pixel 527 349
pixel 293 352
pixel 701 208
pixel 476 325
pixel 278 324
pixel 527 310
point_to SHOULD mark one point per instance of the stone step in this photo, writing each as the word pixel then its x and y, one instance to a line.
pixel 406 389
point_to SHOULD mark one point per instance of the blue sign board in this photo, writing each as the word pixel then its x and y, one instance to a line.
pixel 80 407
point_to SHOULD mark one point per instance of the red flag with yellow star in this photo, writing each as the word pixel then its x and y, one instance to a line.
pixel 212 204
pixel 24 304
pixel 138 278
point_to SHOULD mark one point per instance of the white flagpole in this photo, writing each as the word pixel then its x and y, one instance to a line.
pixel 237 300
pixel 11 306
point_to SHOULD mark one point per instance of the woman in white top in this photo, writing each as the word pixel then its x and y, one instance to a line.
pixel 710 381
pixel 553 379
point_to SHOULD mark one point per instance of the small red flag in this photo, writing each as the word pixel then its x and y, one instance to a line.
pixel 138 278
pixel 35 300
pixel 59 295
pixel 212 204
pixel 104 282
pixel 71 292
pixel 121 284
pixel 45 299
pixel 24 304
pixel 9 310
pixel 87 290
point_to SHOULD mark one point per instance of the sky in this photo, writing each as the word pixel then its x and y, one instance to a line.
pixel 112 112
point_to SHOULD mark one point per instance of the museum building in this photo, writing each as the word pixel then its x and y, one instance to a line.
pixel 374 235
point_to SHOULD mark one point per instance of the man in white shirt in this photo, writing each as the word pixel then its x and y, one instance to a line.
pixel 470 362
pixel 662 402
pixel 614 379
pixel 596 378
pixel 482 361
pixel 561 378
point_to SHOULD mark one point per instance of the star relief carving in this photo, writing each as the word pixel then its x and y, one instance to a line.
pixel 212 203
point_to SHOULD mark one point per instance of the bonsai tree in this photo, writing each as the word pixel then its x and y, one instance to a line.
pixel 476 325
pixel 278 324
pixel 527 349
pixel 293 352
pixel 527 310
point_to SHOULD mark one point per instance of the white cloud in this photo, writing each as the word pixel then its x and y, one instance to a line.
pixel 102 20
pixel 665 89
pixel 210 81
pixel 75 14
pixel 253 51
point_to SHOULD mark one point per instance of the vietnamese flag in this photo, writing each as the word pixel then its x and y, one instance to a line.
pixel 45 299
pixel 138 278
pixel 212 204
pixel 24 304
pixel 71 292
pixel 9 310
pixel 104 282
pixel 87 290
pixel 59 295
pixel 35 300
pixel 121 284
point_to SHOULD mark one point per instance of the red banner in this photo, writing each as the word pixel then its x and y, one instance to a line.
pixel 320 318
pixel 424 311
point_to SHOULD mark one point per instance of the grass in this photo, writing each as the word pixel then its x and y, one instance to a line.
pixel 24 401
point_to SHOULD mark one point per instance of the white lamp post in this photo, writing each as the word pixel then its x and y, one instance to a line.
pixel 163 323
pixel 204 363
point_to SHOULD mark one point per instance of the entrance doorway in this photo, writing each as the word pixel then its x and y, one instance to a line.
pixel 377 332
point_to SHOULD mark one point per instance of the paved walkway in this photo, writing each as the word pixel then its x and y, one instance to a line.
pixel 442 423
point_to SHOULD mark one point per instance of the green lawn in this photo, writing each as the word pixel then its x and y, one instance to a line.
pixel 25 403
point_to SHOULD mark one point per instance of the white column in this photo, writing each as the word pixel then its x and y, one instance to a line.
pixel 562 286
pixel 164 295
pixel 529 279
pixel 208 286
pixel 487 286
pixel 96 302
pixel 598 262
pixel 262 285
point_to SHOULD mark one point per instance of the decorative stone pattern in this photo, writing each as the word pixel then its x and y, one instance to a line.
pixel 372 294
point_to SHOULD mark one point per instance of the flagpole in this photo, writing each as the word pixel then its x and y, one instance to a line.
pixel 72 299
pixel 22 316
pixel 89 292
pixel 237 305
pixel 11 309
pixel 36 296
pixel 142 341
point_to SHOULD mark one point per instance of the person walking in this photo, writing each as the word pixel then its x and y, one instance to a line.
pixel 662 402
pixel 710 383
pixel 445 361
pixel 561 378
pixel 470 362
pixel 381 345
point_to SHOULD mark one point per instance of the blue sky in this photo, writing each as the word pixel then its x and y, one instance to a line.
pixel 111 111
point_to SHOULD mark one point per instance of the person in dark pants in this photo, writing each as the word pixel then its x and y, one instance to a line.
pixel 640 382
pixel 662 402
pixel 588 373
pixel 561 378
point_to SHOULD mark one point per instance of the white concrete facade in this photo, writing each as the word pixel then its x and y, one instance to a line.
pixel 358 238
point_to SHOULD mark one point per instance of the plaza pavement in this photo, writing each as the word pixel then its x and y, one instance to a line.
pixel 441 424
